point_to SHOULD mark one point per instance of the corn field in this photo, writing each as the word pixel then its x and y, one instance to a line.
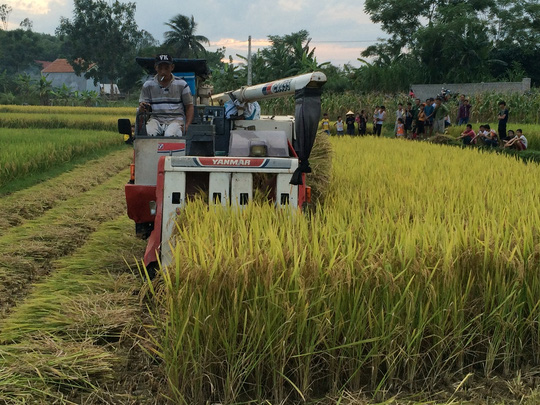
pixel 524 108
pixel 420 267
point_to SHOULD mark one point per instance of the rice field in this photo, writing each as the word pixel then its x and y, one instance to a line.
pixel 419 268
pixel 68 305
pixel 412 280
pixel 82 122
pixel 28 151
pixel 81 111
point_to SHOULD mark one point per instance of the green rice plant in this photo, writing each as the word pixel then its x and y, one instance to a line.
pixel 26 151
pixel 419 267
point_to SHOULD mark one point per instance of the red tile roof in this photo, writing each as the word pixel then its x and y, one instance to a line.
pixel 61 66
pixel 58 66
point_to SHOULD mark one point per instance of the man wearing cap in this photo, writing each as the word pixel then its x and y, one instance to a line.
pixel 166 94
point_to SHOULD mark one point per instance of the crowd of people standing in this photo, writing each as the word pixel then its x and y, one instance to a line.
pixel 422 120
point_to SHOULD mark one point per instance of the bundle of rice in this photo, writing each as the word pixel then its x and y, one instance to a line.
pixel 444 140
pixel 321 165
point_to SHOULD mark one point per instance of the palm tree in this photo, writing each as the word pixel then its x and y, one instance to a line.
pixel 182 37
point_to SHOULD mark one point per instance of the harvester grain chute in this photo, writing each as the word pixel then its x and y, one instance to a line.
pixel 220 154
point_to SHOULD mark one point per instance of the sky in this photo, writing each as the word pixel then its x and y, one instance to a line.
pixel 339 29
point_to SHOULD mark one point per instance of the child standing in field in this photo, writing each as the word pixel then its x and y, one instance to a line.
pixel 464 111
pixel 375 116
pixel 361 120
pixel 420 122
pixel 408 118
pixel 380 120
pixel 400 113
pixel 400 130
pixel 429 109
pixel 325 124
pixel 339 126
pixel 503 118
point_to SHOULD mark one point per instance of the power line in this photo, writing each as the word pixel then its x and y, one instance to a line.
pixel 339 42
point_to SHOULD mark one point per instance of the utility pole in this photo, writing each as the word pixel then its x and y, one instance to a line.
pixel 249 78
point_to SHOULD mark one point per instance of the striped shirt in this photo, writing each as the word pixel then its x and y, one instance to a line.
pixel 169 99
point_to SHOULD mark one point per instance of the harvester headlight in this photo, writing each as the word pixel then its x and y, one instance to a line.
pixel 258 148
pixel 153 208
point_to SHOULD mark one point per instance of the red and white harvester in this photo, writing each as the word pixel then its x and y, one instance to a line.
pixel 219 155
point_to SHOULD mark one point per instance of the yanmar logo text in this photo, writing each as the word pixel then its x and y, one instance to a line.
pixel 231 162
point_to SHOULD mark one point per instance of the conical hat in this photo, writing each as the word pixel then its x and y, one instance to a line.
pixel 350 113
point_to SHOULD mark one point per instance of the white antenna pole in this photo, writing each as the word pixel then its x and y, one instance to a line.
pixel 249 77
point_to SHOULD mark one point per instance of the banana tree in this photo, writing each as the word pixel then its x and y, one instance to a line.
pixel 44 90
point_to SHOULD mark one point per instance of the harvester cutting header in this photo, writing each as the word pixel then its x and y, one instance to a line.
pixel 227 144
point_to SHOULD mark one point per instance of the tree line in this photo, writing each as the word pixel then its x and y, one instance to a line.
pixel 430 41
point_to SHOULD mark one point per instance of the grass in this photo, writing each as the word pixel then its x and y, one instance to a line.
pixel 419 268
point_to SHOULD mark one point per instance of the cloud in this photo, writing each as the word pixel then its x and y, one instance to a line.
pixel 334 52
pixel 333 13
pixel 338 54
pixel 340 29
pixel 238 44
pixel 40 7
pixel 44 14
pixel 287 5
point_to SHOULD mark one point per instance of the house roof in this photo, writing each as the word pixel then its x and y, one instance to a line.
pixel 58 66
pixel 61 66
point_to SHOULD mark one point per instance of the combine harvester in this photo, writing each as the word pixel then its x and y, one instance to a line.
pixel 219 155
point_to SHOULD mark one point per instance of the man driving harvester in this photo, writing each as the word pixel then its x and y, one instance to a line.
pixel 169 95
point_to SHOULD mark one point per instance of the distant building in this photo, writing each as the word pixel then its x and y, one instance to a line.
pixel 423 91
pixel 105 89
pixel 61 72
